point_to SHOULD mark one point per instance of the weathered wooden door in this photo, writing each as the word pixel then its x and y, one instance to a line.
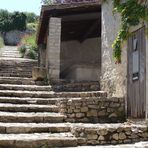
pixel 136 96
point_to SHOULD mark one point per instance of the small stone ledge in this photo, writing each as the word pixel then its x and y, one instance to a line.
pixel 110 133
pixel 93 109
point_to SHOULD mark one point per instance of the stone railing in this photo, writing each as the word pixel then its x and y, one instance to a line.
pixel 93 109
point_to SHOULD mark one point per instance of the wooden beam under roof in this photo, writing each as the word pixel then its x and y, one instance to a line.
pixel 81 17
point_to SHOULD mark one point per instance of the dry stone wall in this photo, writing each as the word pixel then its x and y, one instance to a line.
pixel 76 86
pixel 14 37
pixel 110 134
pixel 93 109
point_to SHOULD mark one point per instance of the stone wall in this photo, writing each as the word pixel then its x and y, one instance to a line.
pixel 113 79
pixel 86 54
pixel 14 37
pixel 93 109
pixel 110 133
pixel 68 86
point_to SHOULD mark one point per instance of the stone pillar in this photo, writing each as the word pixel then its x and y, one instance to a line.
pixel 53 48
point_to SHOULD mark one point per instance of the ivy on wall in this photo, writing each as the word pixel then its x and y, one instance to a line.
pixel 132 13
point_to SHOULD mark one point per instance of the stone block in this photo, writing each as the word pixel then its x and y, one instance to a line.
pixel 102 132
pixel 80 115
pixel 39 73
pixel 122 136
pixel 115 136
pixel 92 136
pixel 92 113
pixel 102 113
pixel 84 109
pixel 101 138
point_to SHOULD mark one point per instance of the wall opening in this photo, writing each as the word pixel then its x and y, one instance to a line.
pixel 80 54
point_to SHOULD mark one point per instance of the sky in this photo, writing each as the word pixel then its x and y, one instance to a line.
pixel 21 5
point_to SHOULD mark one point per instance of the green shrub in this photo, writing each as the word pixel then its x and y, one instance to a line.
pixel 29 40
pixel 31 17
pixel 22 50
pixel 32 54
pixel 28 47
pixel 32 26
pixel 1 42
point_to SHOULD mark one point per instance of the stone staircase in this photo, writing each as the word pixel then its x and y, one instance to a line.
pixel 29 116
pixel 33 115
pixel 10 52
pixel 23 67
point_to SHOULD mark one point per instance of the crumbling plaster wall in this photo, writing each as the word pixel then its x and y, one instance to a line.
pixel 113 79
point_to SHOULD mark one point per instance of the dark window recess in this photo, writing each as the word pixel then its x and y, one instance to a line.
pixel 135 76
pixel 135 44
pixel 135 60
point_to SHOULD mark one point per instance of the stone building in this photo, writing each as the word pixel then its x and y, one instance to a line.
pixel 75 44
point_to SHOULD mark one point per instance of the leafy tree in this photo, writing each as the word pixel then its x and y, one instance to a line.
pixel 12 21
pixel 4 20
pixel 31 17
pixel 18 21
pixel 48 2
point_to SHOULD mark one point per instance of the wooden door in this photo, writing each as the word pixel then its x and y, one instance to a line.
pixel 136 93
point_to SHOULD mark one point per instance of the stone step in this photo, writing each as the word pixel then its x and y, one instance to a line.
pixel 8 51
pixel 11 54
pixel 25 87
pixel 27 108
pixel 16 72
pixel 50 94
pixel 18 128
pixel 18 100
pixel 17 66
pixel 14 53
pixel 134 145
pixel 16 80
pixel 16 75
pixel 9 60
pixel 39 117
pixel 37 140
pixel 15 69
pixel 16 61
pixel 19 81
